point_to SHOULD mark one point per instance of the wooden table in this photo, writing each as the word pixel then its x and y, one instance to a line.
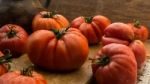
pixel 81 76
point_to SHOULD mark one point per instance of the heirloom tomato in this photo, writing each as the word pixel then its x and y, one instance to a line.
pixel 118 32
pixel 115 64
pixel 91 27
pixel 140 31
pixel 139 50
pixel 25 76
pixel 14 38
pixel 58 50
pixel 49 20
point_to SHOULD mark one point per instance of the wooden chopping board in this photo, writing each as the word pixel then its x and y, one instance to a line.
pixel 80 76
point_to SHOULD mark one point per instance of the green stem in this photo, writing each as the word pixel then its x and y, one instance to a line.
pixel 49 14
pixel 59 33
pixel 27 71
pixel 102 61
pixel 88 19
pixel 137 23
pixel 6 58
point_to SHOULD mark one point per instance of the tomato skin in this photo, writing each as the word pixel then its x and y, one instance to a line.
pixel 16 44
pixel 140 32
pixel 67 53
pixel 121 33
pixel 56 21
pixel 118 32
pixel 108 40
pixel 15 77
pixel 121 67
pixel 92 27
pixel 139 50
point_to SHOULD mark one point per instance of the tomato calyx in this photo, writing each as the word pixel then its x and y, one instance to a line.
pixel 88 19
pixel 102 61
pixel 49 14
pixel 27 71
pixel 137 23
pixel 59 33
pixel 11 33
pixel 7 57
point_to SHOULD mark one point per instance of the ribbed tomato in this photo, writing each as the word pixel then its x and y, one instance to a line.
pixel 49 20
pixel 60 50
pixel 118 32
pixel 140 31
pixel 22 77
pixel 91 27
pixel 115 64
pixel 139 50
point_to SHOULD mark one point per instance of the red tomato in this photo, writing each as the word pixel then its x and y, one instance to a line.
pixel 91 27
pixel 118 32
pixel 139 51
pixel 60 50
pixel 49 20
pixel 22 77
pixel 14 38
pixel 140 31
pixel 115 64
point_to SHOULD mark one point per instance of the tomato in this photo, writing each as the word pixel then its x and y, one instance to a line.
pixel 115 64
pixel 49 20
pixel 118 32
pixel 62 50
pixel 14 38
pixel 22 77
pixel 91 27
pixel 140 31
pixel 139 50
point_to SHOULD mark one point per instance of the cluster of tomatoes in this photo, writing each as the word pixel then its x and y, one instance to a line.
pixel 56 45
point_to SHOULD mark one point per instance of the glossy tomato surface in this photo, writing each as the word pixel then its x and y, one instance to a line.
pixel 15 77
pixel 115 64
pixel 58 52
pixel 91 27
pixel 14 38
pixel 49 20
pixel 118 32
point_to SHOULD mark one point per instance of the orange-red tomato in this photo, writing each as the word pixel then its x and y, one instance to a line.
pixel 115 64
pixel 91 27
pixel 14 38
pixel 16 77
pixel 58 50
pixel 118 32
pixel 139 50
pixel 49 20
pixel 140 31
